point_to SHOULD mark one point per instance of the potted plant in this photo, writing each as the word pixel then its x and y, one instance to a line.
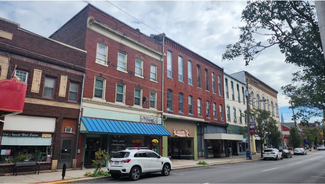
pixel 27 157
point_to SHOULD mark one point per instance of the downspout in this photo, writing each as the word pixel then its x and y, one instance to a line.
pixel 162 93
pixel 79 120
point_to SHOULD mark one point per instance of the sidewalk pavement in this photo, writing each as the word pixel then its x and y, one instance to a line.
pixel 77 176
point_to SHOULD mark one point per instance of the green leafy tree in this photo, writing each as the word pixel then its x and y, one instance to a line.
pixel 272 132
pixel 101 157
pixel 294 138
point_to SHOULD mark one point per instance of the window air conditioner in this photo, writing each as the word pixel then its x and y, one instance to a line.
pixel 67 130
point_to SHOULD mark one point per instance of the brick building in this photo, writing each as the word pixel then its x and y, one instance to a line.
pixel 123 84
pixel 47 128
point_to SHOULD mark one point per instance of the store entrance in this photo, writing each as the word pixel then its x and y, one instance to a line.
pixel 65 153
pixel 92 145
pixel 181 148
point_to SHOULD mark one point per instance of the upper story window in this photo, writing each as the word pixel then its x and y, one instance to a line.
pixel 213 82
pixel 243 92
pixel 199 107
pixel 228 114
pixel 208 109
pixel 268 105
pixel 153 99
pixel 240 117
pixel 276 109
pixel 252 99
pixel 181 103
pixel 221 112
pixel 206 80
pixel 138 67
pixel 227 90
pixel 219 85
pixel 120 93
pixel 263 99
pixel 190 105
pixel 99 88
pixel 21 75
pixel 137 97
pixel 169 64
pixel 272 107
pixel 198 76
pixel 101 55
pixel 180 69
pixel 258 102
pixel 214 111
pixel 189 68
pixel 153 73
pixel 49 87
pixel 232 90
pixel 238 93
pixel 235 116
pixel 73 91
pixel 169 100
pixel 122 62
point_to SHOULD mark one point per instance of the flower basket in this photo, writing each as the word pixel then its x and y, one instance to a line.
pixel 154 142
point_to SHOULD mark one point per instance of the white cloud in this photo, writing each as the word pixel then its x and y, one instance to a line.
pixel 205 27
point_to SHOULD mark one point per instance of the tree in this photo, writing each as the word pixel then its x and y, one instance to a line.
pixel 294 138
pixel 272 132
pixel 292 26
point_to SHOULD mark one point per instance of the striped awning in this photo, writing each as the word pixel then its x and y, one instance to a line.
pixel 120 127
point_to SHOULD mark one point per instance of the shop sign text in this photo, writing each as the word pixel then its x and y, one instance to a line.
pixel 181 133
pixel 14 134
pixel 146 119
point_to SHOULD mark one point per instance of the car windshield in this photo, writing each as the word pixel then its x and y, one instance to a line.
pixel 121 154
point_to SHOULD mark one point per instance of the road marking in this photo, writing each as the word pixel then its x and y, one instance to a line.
pixel 318 177
pixel 205 183
pixel 269 169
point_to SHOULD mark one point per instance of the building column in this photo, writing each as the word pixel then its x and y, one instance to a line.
pixel 195 144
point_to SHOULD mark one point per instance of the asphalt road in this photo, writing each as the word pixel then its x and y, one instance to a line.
pixel 308 168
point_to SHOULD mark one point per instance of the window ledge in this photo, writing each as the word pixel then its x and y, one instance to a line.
pixel 139 76
pixel 98 99
pixel 191 114
pixel 153 81
pixel 169 110
pixel 119 103
pixel 137 106
pixel 124 71
pixel 101 64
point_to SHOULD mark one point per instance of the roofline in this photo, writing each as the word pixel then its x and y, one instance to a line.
pixel 221 68
pixel 259 81
pixel 233 77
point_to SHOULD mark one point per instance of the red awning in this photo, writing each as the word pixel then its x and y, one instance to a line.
pixel 12 95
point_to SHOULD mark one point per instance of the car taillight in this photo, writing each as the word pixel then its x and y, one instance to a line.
pixel 126 161
pixel 273 152
pixel 110 161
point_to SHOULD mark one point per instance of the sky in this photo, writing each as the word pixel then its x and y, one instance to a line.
pixel 205 27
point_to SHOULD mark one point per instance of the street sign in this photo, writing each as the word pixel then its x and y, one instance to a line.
pixel 252 127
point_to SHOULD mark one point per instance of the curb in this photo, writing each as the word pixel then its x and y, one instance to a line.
pixel 77 180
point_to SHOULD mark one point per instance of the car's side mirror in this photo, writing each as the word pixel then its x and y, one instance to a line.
pixel 159 156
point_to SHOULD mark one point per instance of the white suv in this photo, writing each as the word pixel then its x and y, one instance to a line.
pixel 136 161
pixel 272 153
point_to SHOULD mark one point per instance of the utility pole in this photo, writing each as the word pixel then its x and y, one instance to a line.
pixel 249 154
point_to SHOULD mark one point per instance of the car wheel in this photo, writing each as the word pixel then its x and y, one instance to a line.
pixel 281 157
pixel 276 158
pixel 264 158
pixel 135 173
pixel 166 170
pixel 115 176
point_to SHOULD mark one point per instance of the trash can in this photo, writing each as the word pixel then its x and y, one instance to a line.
pixel 248 154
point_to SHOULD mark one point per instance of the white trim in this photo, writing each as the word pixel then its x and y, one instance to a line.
pixel 223 136
pixel 125 62
pixel 106 54
pixel 104 88
pixel 182 117
pixel 124 90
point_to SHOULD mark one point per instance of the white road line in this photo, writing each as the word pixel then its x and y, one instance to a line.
pixel 269 169
pixel 205 183
pixel 318 177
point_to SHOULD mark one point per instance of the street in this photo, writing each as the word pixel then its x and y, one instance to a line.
pixel 299 169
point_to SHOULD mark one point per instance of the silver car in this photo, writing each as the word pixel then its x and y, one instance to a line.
pixel 272 153
pixel 299 151
pixel 321 147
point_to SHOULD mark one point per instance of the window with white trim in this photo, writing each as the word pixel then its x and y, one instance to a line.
pixel 235 116
pixel 120 93
pixel 153 97
pixel 240 117
pixel 137 97
pixel 228 114
pixel 101 54
pixel 227 90
pixel 221 112
pixel 22 76
pixel 219 85
pixel 206 79
pixel 169 100
pixel 198 76
pixel 153 72
pixel 232 90
pixel 99 88
pixel 213 82
pixel 121 62
pixel 214 111
pixel 189 69
pixel 207 109
pixel 169 64
pixel 139 68
pixel 263 99
pixel 181 103
pixel 73 91
pixel 180 69
pixel 190 105
pixel 199 107
pixel 244 97
pixel 238 93
pixel 258 102
pixel 49 87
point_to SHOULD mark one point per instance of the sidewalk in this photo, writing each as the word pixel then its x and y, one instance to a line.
pixel 74 176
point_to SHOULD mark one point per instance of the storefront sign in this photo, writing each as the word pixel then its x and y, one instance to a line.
pixel 118 143
pixel 181 133
pixel 134 141
pixel 146 119
pixel 252 127
pixel 13 134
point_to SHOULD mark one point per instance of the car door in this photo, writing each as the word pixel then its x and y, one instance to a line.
pixel 155 162
pixel 143 161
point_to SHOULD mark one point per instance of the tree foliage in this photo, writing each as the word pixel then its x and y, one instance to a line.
pixel 294 138
pixel 272 133
pixel 292 27
pixel 311 135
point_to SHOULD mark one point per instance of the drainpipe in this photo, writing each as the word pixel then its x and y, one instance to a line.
pixel 162 87
pixel 79 120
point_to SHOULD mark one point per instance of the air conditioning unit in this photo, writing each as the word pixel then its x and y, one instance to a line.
pixel 67 130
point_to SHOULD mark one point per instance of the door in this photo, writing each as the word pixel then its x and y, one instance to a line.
pixel 155 162
pixel 143 160
pixel 65 156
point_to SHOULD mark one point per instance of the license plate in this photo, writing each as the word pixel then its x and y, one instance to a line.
pixel 116 163
pixel 267 153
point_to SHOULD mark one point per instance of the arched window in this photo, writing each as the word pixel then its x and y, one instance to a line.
pixel 263 103
pixel 258 101
pixel 276 109
pixel 268 105
pixel 272 106
pixel 252 99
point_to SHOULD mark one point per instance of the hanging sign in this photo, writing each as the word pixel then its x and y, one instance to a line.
pixel 181 133
pixel 252 127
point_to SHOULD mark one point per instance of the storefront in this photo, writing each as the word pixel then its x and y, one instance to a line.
pixel 113 136
pixel 182 144
pixel 238 147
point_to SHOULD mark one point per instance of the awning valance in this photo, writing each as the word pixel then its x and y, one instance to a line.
pixel 120 127
pixel 222 136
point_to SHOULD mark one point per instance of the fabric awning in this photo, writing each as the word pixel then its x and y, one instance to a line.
pixel 222 136
pixel 120 127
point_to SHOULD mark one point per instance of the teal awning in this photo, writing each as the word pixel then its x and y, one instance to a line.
pixel 120 127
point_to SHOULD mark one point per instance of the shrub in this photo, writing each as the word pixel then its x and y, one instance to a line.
pixel 202 163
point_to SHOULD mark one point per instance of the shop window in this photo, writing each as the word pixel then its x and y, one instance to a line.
pixel 189 143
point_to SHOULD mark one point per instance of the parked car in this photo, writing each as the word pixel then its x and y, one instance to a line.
pixel 321 147
pixel 134 162
pixel 299 151
pixel 286 153
pixel 272 153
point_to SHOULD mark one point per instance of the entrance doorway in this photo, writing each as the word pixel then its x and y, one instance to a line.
pixel 65 153
pixel 181 148
pixel 92 145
